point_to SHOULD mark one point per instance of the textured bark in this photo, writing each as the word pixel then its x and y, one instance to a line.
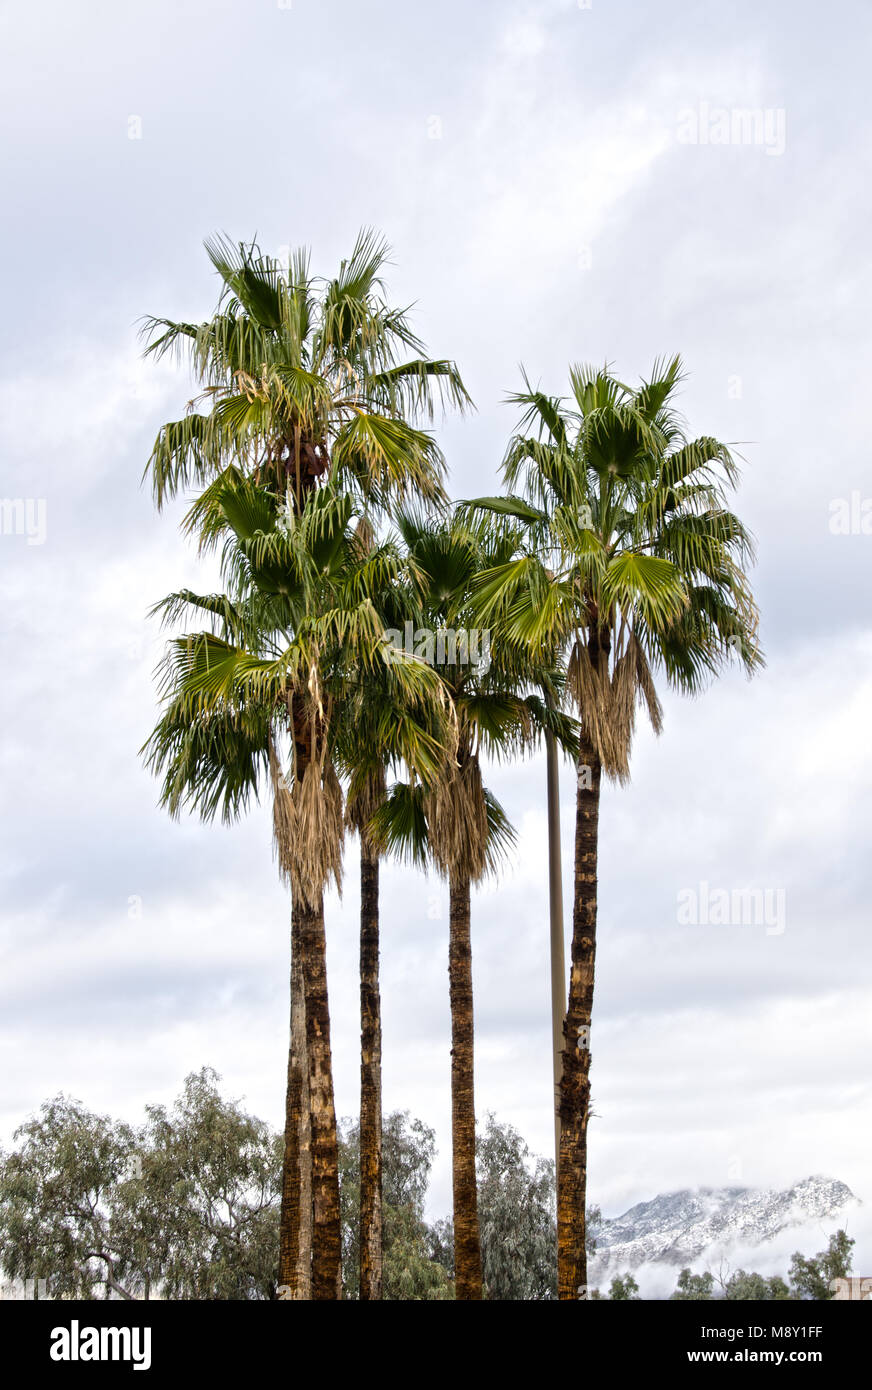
pixel 370 1080
pixel 326 1262
pixel 295 1244
pixel 558 944
pixel 467 1248
pixel 575 1082
pixel 326 1239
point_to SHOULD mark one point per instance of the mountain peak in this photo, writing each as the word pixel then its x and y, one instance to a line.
pixel 677 1227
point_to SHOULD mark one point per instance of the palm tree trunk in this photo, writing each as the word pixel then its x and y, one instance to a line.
pixel 467 1248
pixel 326 1234
pixel 558 945
pixel 295 1243
pixel 575 1082
pixel 370 1079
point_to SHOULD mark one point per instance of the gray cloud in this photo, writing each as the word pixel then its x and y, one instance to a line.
pixel 525 162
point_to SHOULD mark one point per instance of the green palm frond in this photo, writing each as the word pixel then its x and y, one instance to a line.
pixel 306 381
pixel 644 583
pixel 253 278
pixel 545 412
pixel 400 824
pixel 211 765
pixel 388 457
pixel 408 387
pixel 501 837
pixel 622 548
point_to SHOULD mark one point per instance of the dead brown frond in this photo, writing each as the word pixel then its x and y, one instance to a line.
pixel 284 816
pixel 457 821
pixel 308 827
pixel 607 694
pixel 364 534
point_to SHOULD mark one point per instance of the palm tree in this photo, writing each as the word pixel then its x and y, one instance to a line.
pixel 628 560
pixel 453 818
pixel 373 730
pixel 295 1224
pixel 306 383
pixel 305 379
pixel 216 763
pixel 298 618
pixel 361 809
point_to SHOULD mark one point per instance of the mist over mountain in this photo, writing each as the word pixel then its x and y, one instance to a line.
pixel 679 1228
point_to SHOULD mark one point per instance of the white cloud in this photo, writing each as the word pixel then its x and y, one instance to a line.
pixel 557 219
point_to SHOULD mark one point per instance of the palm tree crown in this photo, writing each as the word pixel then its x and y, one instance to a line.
pixel 626 555
pixel 305 379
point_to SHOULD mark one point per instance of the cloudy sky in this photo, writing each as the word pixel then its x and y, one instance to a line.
pixel 560 182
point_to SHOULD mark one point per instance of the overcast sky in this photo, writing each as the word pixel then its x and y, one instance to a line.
pixel 559 183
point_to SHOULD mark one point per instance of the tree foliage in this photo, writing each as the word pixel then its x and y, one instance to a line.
pixel 186 1206
pixel 411 1270
pixel 743 1285
pixel 810 1277
pixel 303 379
pixel 624 1289
pixel 694 1286
pixel 516 1212
pixel 183 1207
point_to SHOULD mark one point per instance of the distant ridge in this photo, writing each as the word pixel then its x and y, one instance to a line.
pixel 675 1228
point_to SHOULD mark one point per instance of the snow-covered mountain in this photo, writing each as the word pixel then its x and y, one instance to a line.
pixel 676 1228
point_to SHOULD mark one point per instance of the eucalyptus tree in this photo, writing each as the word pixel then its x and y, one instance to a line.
pixel 181 1207
pixel 628 560
pixel 516 1211
pixel 297 624
pixel 452 820
pixel 815 1276
pixel 67 1228
pixel 410 1270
